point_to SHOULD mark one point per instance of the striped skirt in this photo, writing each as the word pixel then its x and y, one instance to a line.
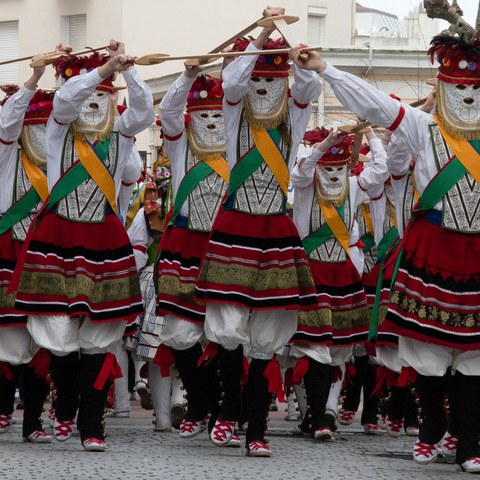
pixel 73 269
pixel 147 338
pixel 181 252
pixel 256 261
pixel 9 253
pixel 342 305
pixel 436 297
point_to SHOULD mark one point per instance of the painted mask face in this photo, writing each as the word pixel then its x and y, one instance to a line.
pixel 208 129
pixel 266 95
pixel 33 141
pixel 331 181
pixel 96 115
pixel 459 105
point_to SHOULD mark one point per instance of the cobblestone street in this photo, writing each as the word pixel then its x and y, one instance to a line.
pixel 136 452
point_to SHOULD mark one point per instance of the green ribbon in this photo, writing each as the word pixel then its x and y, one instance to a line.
pixel 384 246
pixel 193 177
pixel 249 164
pixel 19 210
pixel 369 242
pixel 321 235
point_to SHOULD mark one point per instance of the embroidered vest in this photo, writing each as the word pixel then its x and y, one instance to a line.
pixel 21 186
pixel 260 194
pixel 461 204
pixel 86 203
pixel 330 251
pixel 205 199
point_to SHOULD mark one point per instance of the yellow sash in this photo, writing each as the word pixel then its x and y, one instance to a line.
pixel 37 178
pixel 462 149
pixel 272 157
pixel 337 226
pixel 219 165
pixel 99 173
pixel 368 219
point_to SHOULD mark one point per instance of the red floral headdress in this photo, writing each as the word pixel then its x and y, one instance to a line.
pixel 39 108
pixel 68 66
pixel 267 65
pixel 335 156
pixel 206 94
pixel 459 60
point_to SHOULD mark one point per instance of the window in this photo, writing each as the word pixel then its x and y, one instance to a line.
pixel 10 49
pixel 317 26
pixel 74 31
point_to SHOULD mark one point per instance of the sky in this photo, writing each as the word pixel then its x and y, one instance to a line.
pixel 402 7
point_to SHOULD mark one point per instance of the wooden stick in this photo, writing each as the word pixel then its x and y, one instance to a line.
pixel 155 58
pixel 281 23
pixel 29 57
pixel 49 58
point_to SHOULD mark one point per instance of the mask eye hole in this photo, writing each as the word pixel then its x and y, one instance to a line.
pixel 217 115
pixel 204 115
pixel 100 94
pixel 339 169
pixel 460 87
pixel 329 169
pixel 475 87
pixel 269 79
pixel 255 79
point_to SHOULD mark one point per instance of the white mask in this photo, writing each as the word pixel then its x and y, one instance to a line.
pixel 33 142
pixel 207 130
pixel 331 181
pixel 459 105
pixel 266 96
pixel 97 114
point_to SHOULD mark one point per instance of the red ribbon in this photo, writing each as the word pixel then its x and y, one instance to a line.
pixel 109 372
pixel 6 372
pixel 337 374
pixel 301 368
pixel 245 369
pixel 273 374
pixel 164 359
pixel 208 354
pixel 288 381
pixel 41 363
pixel 384 377
pixel 407 377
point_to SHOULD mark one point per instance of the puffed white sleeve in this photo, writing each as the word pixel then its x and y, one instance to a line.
pixel 173 104
pixel 139 239
pixel 139 114
pixel 12 114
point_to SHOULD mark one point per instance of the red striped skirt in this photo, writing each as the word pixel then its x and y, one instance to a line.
pixel 9 252
pixel 341 297
pixel 436 297
pixel 181 252
pixel 256 261
pixel 73 268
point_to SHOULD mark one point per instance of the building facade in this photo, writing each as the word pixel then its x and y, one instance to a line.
pixel 351 38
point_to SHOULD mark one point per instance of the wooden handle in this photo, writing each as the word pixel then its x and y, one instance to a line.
pixel 156 58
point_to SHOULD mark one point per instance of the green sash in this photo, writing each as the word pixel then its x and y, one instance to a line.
pixel 383 247
pixel 369 242
pixel 321 235
pixel 248 164
pixel 193 177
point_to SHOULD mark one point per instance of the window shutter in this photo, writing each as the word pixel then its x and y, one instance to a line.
pixel 77 31
pixel 9 42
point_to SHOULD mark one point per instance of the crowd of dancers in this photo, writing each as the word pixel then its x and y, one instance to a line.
pixel 368 280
